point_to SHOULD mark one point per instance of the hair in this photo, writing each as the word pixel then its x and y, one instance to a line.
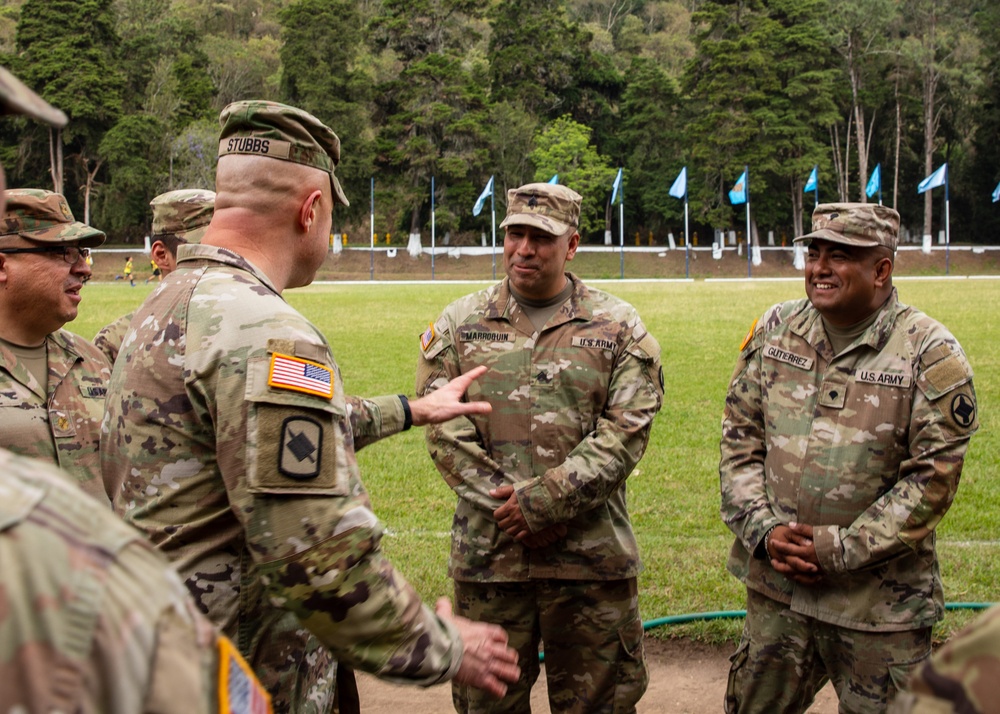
pixel 170 241
pixel 882 251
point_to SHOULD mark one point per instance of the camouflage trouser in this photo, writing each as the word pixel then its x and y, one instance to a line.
pixel 592 635
pixel 298 671
pixel 785 658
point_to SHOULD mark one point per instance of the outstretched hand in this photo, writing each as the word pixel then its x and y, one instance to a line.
pixel 446 403
pixel 488 663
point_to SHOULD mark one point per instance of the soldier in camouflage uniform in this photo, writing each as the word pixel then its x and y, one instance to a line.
pixel 179 217
pixel 93 619
pixel 232 443
pixel 541 540
pixel 52 382
pixel 845 429
pixel 962 676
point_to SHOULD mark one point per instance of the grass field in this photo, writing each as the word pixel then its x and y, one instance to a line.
pixel 673 493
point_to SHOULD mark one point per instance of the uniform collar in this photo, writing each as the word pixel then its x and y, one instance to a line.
pixel 190 255
pixel 809 325
pixel 500 302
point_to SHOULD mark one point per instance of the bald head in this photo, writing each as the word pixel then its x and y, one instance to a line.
pixel 264 186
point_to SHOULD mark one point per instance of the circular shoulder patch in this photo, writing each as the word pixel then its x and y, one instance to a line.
pixel 963 410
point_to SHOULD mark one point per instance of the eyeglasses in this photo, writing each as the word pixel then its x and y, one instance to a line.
pixel 70 253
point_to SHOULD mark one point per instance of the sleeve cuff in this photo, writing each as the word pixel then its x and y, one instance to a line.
pixel 391 417
pixel 829 549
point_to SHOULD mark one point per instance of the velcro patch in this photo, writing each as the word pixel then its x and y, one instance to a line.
pixel 594 343
pixel 887 378
pixel 963 410
pixel 472 335
pixel 427 339
pixel 275 148
pixel 946 374
pixel 301 451
pixel 776 353
pixel 239 690
pixel 300 375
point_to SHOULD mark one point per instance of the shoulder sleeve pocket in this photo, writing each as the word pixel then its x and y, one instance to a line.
pixel 942 372
pixel 296 441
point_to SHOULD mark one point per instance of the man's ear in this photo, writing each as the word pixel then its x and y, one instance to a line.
pixel 163 257
pixel 883 272
pixel 574 243
pixel 309 210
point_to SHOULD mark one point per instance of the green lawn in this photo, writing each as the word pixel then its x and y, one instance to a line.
pixel 374 331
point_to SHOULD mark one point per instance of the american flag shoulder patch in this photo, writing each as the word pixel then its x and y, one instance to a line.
pixel 300 375
pixel 427 338
pixel 239 690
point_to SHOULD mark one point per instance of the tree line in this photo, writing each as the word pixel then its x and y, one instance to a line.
pixel 465 90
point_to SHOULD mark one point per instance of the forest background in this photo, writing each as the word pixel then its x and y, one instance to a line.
pixel 461 90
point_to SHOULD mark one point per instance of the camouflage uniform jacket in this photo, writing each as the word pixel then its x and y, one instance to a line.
pixel 572 408
pixel 93 619
pixel 62 427
pixel 866 447
pixel 959 677
pixel 252 486
pixel 109 339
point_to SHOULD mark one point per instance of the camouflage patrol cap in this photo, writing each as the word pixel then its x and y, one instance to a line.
pixel 862 224
pixel 185 213
pixel 45 217
pixel 16 98
pixel 278 131
pixel 552 208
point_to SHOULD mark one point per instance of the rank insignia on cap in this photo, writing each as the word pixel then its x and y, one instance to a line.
pixel 301 448
pixel 746 340
pixel 427 338
pixel 300 375
pixel 239 690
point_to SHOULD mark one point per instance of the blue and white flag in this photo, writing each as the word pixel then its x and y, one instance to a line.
pixel 810 182
pixel 616 185
pixel 934 180
pixel 554 179
pixel 738 194
pixel 680 187
pixel 488 191
pixel 996 193
pixel 874 181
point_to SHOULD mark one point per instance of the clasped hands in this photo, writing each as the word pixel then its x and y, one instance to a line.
pixel 793 554
pixel 510 518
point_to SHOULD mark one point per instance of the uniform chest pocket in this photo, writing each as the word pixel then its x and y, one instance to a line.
pixel 833 392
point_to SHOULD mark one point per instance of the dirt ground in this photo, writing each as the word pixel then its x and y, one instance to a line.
pixel 685 677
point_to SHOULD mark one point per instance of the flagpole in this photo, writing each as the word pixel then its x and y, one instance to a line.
pixel 621 229
pixel 947 225
pixel 816 187
pixel 687 243
pixel 371 249
pixel 746 170
pixel 493 224
pixel 432 227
